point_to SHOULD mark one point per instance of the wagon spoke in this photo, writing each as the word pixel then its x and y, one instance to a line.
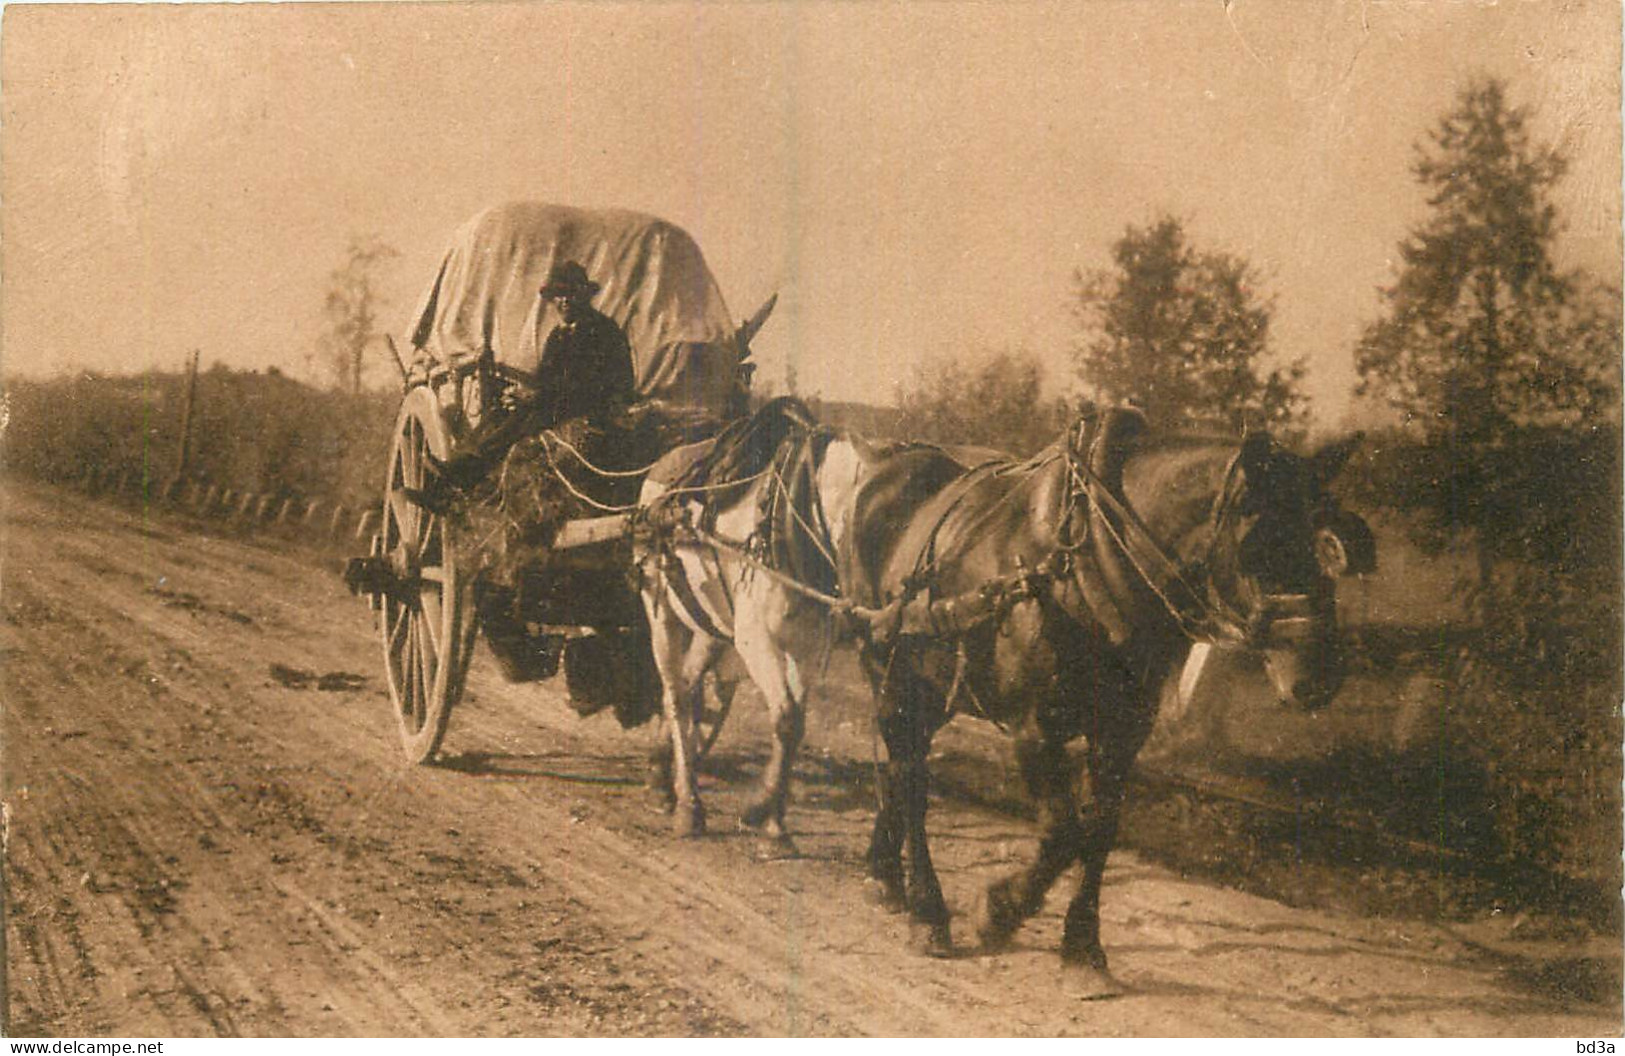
pixel 400 509
pixel 408 450
pixel 426 669
pixel 411 477
pixel 411 523
pixel 398 627
pixel 411 674
pixel 428 534
pixel 429 605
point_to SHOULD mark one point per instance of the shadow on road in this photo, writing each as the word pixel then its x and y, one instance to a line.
pixel 595 769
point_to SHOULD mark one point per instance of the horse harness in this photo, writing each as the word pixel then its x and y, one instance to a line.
pixel 1094 457
pixel 766 549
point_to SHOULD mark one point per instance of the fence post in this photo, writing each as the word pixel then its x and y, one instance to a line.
pixel 338 516
pixel 184 456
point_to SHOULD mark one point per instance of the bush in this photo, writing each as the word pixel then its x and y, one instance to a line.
pixel 997 403
pixel 1534 680
pixel 250 432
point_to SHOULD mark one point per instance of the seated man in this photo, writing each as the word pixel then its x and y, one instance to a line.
pixel 585 372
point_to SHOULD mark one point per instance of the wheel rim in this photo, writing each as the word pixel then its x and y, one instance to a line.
pixel 424 624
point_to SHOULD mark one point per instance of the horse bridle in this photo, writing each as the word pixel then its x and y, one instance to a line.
pixel 1277 618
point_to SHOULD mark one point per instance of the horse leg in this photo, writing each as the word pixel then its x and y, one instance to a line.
pixel 680 657
pixel 883 875
pixel 885 857
pixel 1008 903
pixel 657 780
pixel 1111 756
pixel 776 673
pixel 908 741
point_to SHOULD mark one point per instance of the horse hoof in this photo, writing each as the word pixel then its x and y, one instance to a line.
pixel 687 824
pixel 888 897
pixel 1084 982
pixel 996 922
pixel 933 940
pixel 758 815
pixel 660 801
pixel 776 848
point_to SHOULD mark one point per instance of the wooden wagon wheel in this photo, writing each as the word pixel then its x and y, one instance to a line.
pixel 427 621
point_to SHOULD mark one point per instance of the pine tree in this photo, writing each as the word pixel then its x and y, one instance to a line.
pixel 1482 335
pixel 1502 365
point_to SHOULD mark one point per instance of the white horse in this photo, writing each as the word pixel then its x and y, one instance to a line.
pixel 740 550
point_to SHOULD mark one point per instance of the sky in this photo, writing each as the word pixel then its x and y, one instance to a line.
pixel 918 181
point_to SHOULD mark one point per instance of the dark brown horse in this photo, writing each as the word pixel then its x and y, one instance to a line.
pixel 1056 597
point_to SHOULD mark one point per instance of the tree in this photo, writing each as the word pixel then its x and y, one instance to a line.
pixel 351 309
pixel 1501 364
pixel 997 402
pixel 1482 336
pixel 1182 335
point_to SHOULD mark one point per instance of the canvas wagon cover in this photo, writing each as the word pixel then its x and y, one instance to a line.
pixel 655 285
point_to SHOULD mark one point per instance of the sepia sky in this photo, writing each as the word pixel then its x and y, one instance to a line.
pixel 917 179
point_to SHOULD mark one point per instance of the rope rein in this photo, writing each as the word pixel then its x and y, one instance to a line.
pixel 548 437
pixel 1211 623
pixel 1132 538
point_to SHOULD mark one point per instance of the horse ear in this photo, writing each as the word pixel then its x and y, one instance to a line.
pixel 752 326
pixel 1329 461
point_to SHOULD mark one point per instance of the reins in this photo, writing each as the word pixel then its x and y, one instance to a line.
pixel 1211 623
pixel 549 437
pixel 1200 615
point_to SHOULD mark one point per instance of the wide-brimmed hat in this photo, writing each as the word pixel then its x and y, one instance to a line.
pixel 568 277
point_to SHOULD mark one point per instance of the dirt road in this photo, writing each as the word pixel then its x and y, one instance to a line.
pixel 196 846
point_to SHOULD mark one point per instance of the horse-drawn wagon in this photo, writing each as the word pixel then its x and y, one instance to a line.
pixel 546 573
pixel 1054 596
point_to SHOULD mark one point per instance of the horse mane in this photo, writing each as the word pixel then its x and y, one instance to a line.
pixel 1119 432
pixel 784 441
pixel 746 446
pixel 792 531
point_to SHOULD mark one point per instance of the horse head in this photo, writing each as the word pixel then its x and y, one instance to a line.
pixel 1279 543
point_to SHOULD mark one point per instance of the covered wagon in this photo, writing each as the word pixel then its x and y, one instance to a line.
pixel 540 559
